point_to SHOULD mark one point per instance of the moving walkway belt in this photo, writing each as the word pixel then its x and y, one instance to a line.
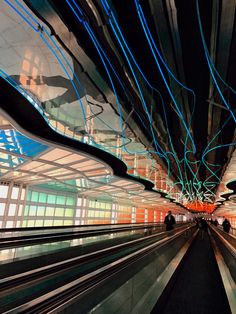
pixel 196 287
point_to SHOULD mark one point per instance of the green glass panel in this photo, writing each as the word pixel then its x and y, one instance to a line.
pixel 69 212
pixel 28 196
pixel 40 211
pixel 59 212
pixel 61 200
pixel 34 196
pixel 32 211
pixel 49 211
pixel 51 199
pixel 42 197
pixel 70 200
pixel 26 210
pixel 24 223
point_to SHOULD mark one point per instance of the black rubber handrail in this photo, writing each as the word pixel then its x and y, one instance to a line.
pixel 17 229
pixel 54 237
pixel 226 243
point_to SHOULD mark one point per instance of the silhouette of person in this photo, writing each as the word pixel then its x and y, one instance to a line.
pixel 226 225
pixel 169 221
pixel 203 227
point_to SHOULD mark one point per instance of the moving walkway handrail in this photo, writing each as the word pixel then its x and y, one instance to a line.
pixel 61 294
pixel 85 228
pixel 26 229
pixel 229 246
pixel 40 238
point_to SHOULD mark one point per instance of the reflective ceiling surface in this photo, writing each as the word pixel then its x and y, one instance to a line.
pixel 151 82
pixel 30 162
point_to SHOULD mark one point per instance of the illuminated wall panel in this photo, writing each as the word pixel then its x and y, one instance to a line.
pixel 11 204
pixel 151 216
pixel 96 212
pixel 47 208
pixel 140 214
pixel 124 214
pixel 35 207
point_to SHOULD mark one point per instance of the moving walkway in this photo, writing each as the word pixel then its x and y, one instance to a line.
pixel 42 282
pixel 169 272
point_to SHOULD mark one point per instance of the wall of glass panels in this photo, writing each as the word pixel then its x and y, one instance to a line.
pixel 47 208
pixel 123 214
pixel 35 207
pixel 12 200
pixel 104 212
pixel 140 214
pixel 97 212
pixel 150 214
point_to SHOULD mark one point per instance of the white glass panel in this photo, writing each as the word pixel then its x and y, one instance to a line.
pixel 79 202
pixel 59 212
pixel 9 224
pixel 15 193
pixel 49 211
pixel 30 223
pixel 78 212
pixel 40 211
pixel 48 222
pixel 3 191
pixel 12 210
pixel 2 208
pixel 22 194
pixel 57 222
pixel 20 210
pixel 38 223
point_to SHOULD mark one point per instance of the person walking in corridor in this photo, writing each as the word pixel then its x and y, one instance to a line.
pixel 169 221
pixel 226 225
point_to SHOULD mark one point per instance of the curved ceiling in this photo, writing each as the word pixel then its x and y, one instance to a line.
pixel 151 82
pixel 24 160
